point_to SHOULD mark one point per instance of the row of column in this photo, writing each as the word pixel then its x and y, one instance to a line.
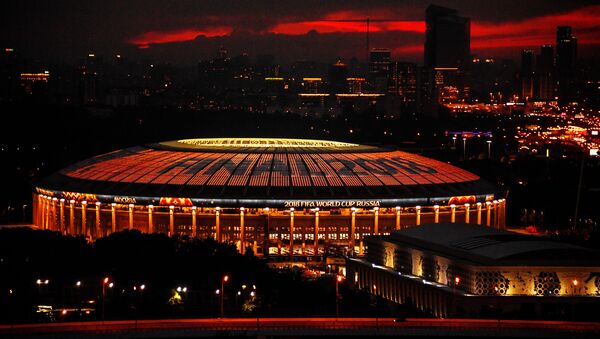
pixel 391 286
pixel 45 216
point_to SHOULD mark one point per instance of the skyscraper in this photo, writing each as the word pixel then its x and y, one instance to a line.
pixel 403 82
pixel 447 38
pixel 379 65
pixel 566 56
pixel 544 70
pixel 527 56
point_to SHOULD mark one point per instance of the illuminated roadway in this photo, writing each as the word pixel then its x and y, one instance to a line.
pixel 282 327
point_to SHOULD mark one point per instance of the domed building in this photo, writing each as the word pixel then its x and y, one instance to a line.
pixel 279 196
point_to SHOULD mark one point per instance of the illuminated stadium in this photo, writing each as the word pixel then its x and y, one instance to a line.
pixel 288 197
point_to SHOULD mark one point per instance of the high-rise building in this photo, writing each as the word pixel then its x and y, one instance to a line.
pixel 403 83
pixel 379 65
pixel 545 70
pixel 526 73
pixel 447 38
pixel 566 56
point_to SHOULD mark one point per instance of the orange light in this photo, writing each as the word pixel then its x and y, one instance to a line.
pixel 106 280
pixel 64 312
pixel 457 280
pixel 226 278
pixel 339 278
pixel 575 282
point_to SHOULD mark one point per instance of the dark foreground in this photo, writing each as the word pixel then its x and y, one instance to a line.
pixel 298 327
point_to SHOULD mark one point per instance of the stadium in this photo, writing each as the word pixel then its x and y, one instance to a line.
pixel 279 197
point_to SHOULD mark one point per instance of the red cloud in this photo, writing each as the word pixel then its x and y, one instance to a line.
pixel 146 39
pixel 484 35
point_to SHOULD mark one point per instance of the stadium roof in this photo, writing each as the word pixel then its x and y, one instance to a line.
pixel 485 245
pixel 245 168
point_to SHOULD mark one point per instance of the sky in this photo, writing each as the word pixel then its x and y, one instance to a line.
pixel 183 32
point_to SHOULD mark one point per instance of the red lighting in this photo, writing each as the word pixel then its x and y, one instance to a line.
pixel 456 280
pixel 339 278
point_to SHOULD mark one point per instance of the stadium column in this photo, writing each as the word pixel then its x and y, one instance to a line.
pixel 495 202
pixel 62 216
pixel 292 234
pixel 452 213
pixel 113 217
pixel 242 232
pixel 436 213
pixel 316 242
pixel 72 217
pixel 98 233
pixel 171 220
pixel 398 211
pixel 83 218
pixel 47 211
pixel 479 213
pixel 503 209
pixel 218 224
pixel 351 241
pixel 418 208
pixel 376 221
pixel 53 224
pixel 467 210
pixel 130 216
pixel 194 226
pixel 488 213
pixel 150 219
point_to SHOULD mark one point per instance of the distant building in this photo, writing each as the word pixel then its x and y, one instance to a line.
pixel 447 53
pixel 403 83
pixel 545 73
pixel 447 38
pixel 456 269
pixel 566 57
pixel 526 74
pixel 379 65
pixel 356 85
pixel 338 73
pixel 33 82
pixel 92 71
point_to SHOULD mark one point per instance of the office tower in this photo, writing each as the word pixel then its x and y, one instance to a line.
pixel 566 56
pixel 447 38
pixel 403 83
pixel 379 64
pixel 527 74
pixel 545 70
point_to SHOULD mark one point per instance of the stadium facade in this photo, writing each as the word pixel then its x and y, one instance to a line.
pixel 291 197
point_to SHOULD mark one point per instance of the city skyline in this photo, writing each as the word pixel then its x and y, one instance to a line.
pixel 184 33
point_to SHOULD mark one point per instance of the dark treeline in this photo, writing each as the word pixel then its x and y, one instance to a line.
pixel 162 264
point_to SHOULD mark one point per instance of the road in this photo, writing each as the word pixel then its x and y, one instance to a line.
pixel 303 326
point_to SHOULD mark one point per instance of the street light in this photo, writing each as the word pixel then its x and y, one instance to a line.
pixel 338 280
pixel 489 143
pixel 106 281
pixel 464 148
pixel 223 281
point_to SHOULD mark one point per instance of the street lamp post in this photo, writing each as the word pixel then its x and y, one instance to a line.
pixel 105 282
pixel 338 280
pixel 489 144
pixel 223 281
pixel 464 148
